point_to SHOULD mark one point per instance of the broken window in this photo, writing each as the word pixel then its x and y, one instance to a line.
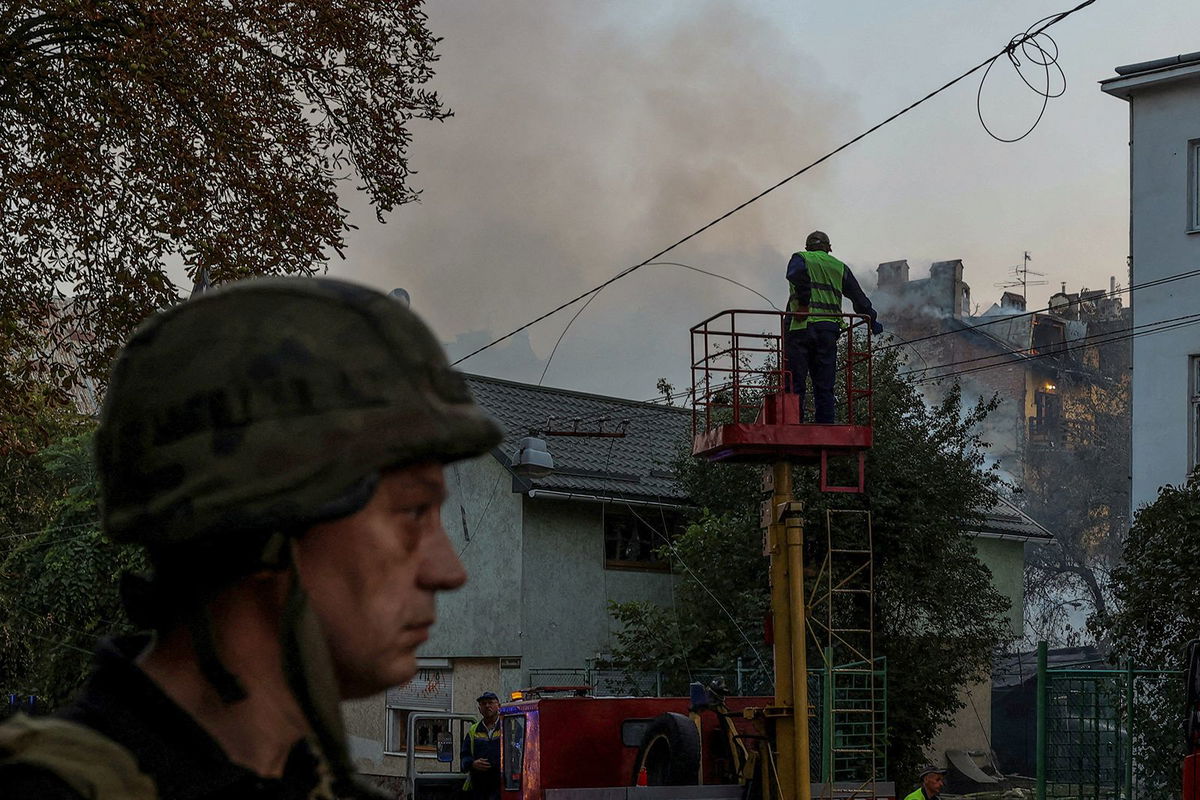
pixel 1045 426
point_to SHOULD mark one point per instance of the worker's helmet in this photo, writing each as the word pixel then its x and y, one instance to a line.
pixel 265 405
pixel 817 240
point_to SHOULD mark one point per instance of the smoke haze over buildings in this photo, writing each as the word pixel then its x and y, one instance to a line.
pixel 587 137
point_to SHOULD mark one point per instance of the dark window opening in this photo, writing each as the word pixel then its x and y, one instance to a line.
pixel 1049 336
pixel 635 538
pixel 1045 427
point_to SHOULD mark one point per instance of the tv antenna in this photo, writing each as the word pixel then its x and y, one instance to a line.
pixel 1020 277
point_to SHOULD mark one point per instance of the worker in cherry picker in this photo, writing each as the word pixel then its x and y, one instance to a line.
pixel 818 283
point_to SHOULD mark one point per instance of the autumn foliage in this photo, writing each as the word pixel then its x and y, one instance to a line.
pixel 140 139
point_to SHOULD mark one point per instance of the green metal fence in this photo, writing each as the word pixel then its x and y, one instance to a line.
pixel 848 722
pixel 1087 730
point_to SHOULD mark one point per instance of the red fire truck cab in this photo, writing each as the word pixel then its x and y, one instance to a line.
pixel 556 743
pixel 627 748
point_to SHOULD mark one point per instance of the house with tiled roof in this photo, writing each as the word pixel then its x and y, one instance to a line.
pixel 547 555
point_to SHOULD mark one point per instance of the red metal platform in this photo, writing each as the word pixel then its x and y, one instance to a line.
pixel 744 409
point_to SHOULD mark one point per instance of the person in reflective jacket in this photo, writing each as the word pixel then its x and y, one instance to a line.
pixel 932 780
pixel 481 751
pixel 818 283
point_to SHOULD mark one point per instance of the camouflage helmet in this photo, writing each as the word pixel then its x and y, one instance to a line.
pixel 817 240
pixel 260 405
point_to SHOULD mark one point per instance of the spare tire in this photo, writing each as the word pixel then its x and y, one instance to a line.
pixel 669 752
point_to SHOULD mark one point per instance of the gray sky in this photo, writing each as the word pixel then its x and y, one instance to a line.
pixel 588 136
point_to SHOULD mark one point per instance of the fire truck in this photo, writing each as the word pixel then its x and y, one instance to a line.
pixel 560 743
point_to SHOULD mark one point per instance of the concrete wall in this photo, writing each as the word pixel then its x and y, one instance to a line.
pixel 1163 120
pixel 484 617
pixel 971 726
pixel 1006 559
pixel 565 618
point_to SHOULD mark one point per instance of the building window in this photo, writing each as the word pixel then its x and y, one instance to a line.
pixel 1194 413
pixel 1194 186
pixel 634 537
pixel 513 759
pixel 425 734
pixel 1045 427
pixel 426 694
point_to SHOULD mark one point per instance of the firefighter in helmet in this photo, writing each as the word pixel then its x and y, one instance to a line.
pixel 818 282
pixel 276 447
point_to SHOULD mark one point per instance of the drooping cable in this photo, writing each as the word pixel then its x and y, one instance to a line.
pixel 1016 41
pixel 1039 49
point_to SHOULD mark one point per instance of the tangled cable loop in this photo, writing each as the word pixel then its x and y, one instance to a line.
pixel 1039 50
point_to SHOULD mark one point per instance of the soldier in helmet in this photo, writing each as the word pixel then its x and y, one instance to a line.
pixel 818 282
pixel 277 448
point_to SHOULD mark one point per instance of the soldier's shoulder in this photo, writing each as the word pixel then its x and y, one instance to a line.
pixel 20 781
pixel 71 759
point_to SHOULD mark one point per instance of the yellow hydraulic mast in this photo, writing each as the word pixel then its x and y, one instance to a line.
pixel 785 539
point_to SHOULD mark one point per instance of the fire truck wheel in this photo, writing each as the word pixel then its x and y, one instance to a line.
pixel 670 752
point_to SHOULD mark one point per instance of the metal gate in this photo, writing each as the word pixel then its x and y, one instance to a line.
pixel 1087 730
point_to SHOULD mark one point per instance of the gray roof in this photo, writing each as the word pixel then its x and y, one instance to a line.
pixel 1005 521
pixel 1135 77
pixel 635 466
pixel 1157 64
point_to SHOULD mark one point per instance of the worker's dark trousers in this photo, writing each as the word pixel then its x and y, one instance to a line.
pixel 812 352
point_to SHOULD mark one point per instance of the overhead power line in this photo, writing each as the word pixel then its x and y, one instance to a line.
pixel 1014 43
pixel 1183 323
pixel 583 308
pixel 1008 317
pixel 1091 340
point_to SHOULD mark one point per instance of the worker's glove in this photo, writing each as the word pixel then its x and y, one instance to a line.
pixel 876 328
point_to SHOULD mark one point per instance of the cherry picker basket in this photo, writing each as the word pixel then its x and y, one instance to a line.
pixel 745 409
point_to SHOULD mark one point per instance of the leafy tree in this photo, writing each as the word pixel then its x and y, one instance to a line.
pixel 938 618
pixel 138 135
pixel 27 488
pixel 58 586
pixel 1157 593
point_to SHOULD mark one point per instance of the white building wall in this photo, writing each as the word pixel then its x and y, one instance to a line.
pixel 1165 117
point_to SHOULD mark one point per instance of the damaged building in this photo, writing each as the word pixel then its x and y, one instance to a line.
pixel 1061 374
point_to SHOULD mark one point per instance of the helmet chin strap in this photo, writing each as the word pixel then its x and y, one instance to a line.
pixel 308 667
